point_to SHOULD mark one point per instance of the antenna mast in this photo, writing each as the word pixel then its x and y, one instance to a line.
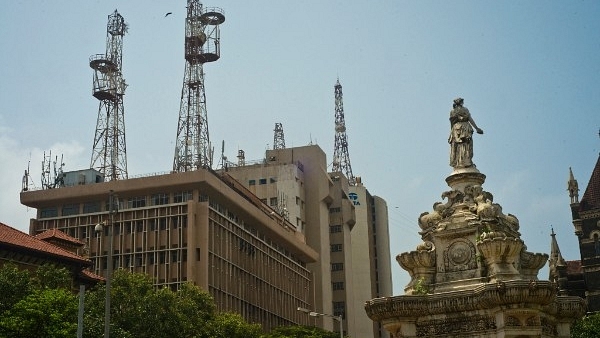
pixel 341 158
pixel 202 44
pixel 109 155
pixel 278 139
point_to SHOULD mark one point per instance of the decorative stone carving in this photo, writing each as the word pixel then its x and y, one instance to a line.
pixel 460 255
pixel 530 264
pixel 500 254
pixel 472 277
pixel 420 264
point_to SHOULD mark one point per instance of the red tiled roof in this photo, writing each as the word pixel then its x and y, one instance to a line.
pixel 57 234
pixel 574 267
pixel 12 237
pixel 591 197
pixel 87 274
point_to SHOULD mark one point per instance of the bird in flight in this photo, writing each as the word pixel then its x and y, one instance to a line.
pixel 168 14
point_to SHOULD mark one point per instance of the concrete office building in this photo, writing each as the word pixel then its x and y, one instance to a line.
pixel 371 273
pixel 341 222
pixel 197 227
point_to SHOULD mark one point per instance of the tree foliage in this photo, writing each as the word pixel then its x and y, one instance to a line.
pixel 587 327
pixel 43 313
pixel 139 310
pixel 42 304
pixel 14 286
pixel 298 331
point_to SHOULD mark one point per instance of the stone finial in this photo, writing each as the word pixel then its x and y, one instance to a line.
pixel 573 187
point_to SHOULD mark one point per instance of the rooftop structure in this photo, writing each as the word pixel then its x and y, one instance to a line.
pixel 109 155
pixel 202 45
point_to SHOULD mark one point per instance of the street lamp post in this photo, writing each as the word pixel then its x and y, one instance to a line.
pixel 316 314
pixel 109 264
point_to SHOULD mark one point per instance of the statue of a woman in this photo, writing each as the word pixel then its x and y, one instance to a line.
pixel 461 136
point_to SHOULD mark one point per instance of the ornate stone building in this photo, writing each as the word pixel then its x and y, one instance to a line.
pixel 472 276
pixel 583 276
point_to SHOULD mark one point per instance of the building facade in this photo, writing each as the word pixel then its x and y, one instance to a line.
pixel 340 221
pixel 197 227
pixel 586 221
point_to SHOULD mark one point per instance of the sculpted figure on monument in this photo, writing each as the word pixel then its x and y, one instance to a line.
pixel 461 135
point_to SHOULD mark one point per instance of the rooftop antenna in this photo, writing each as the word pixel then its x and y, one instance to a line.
pixel 109 155
pixel 241 158
pixel 223 157
pixel 341 158
pixel 202 45
pixel 26 179
pixel 279 138
pixel 50 178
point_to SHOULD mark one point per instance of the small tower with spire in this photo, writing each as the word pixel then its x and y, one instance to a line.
pixel 573 187
pixel 557 264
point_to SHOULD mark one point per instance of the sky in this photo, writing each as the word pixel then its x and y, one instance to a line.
pixel 529 72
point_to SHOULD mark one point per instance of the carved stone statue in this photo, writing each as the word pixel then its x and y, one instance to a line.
pixel 461 136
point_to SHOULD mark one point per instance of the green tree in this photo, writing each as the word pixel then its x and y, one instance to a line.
pixel 43 313
pixel 297 331
pixel 140 310
pixel 14 286
pixel 52 277
pixel 232 325
pixel 587 327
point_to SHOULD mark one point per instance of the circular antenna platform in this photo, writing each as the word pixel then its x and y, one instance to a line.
pixel 213 16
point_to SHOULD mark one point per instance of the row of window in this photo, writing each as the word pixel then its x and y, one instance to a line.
pixel 262 181
pixel 151 258
pixel 130 203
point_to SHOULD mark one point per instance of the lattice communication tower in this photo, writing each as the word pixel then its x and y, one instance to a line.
pixel 278 138
pixel 202 45
pixel 109 154
pixel 341 158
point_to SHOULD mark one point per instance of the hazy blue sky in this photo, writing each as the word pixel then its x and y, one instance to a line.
pixel 529 72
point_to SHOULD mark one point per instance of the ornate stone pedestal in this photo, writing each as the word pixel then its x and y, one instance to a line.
pixel 472 276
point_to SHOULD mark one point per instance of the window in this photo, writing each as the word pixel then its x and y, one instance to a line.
pixel 273 180
pixel 332 210
pixel 136 202
pixel 162 257
pixel 337 286
pixel 91 207
pixel 337 266
pixel 183 196
pixel 297 200
pixel 339 308
pixel 262 181
pixel 336 247
pixel 252 182
pixel 48 212
pixel 70 209
pixel 273 201
pixel 150 258
pixel 160 199
pixel 335 228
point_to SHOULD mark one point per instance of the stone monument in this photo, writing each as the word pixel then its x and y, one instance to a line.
pixel 472 276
